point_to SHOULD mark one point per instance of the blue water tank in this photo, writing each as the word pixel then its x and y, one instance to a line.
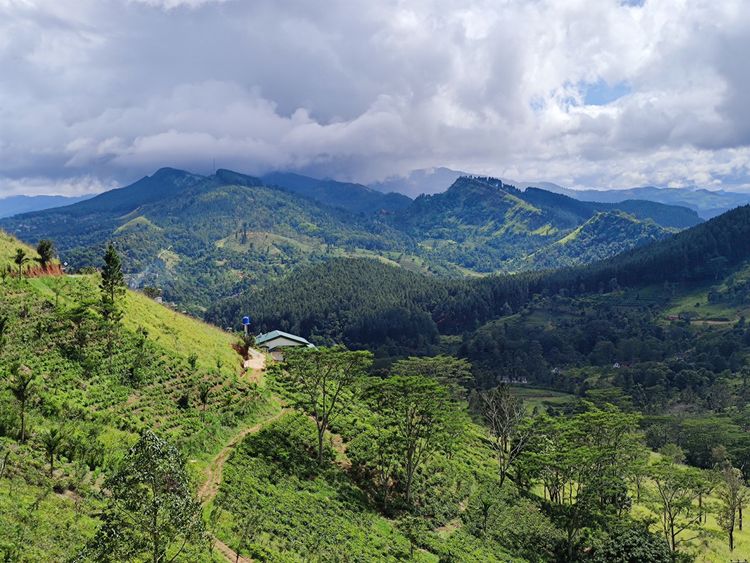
pixel 245 321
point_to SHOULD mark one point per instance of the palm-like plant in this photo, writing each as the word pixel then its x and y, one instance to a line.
pixel 20 259
pixel 204 392
pixel 52 441
pixel 21 378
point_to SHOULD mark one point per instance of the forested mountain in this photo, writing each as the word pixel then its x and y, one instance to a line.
pixel 202 238
pixel 485 225
pixel 198 238
pixel 352 197
pixel 15 205
pixel 604 235
pixel 707 203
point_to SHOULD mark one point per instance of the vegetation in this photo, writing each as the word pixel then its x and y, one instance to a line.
pixel 196 239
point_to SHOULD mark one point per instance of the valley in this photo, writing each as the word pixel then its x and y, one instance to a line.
pixel 657 356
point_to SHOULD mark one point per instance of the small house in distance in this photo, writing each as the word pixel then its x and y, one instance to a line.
pixel 275 340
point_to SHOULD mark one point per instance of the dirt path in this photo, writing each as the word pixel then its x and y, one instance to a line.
pixel 228 553
pixel 209 488
pixel 255 365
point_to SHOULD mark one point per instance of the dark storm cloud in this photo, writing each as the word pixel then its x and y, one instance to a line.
pixel 99 92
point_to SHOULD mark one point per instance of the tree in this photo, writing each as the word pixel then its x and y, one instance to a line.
pixel 677 491
pixel 451 372
pixel 416 411
pixel 46 251
pixel 509 426
pixel 151 514
pixel 318 376
pixel 21 378
pixel 112 289
pixel 204 392
pixel 582 462
pixel 730 495
pixel 632 543
pixel 52 440
pixel 112 285
pixel 20 259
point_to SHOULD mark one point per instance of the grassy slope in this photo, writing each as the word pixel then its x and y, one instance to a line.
pixel 103 405
pixel 8 246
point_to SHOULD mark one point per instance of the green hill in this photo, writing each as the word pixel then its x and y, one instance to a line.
pixel 605 234
pixel 203 238
pixel 199 238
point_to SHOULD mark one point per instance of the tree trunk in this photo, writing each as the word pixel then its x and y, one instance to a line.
pixel 23 422
pixel 321 436
pixel 731 540
pixel 740 511
pixel 51 465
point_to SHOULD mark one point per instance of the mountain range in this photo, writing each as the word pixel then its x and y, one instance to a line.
pixel 707 203
pixel 200 238
pixel 17 204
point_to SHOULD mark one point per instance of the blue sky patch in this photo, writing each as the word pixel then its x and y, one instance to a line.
pixel 600 93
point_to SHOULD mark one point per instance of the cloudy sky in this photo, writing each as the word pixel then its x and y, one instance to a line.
pixel 601 93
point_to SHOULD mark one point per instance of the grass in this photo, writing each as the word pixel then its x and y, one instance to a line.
pixel 8 247
pixel 90 393
pixel 535 397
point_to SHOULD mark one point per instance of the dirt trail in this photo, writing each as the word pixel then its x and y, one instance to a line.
pixel 209 488
pixel 228 553
pixel 255 365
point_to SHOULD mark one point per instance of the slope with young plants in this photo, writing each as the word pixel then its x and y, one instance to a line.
pixel 79 387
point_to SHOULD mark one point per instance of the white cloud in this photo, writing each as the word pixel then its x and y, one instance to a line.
pixel 113 89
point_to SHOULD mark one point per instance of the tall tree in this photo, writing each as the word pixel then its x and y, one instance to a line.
pixel 20 259
pixel 112 289
pixel 317 378
pixel 112 285
pixel 509 426
pixel 204 393
pixel 677 491
pixel 730 494
pixel 46 251
pixel 21 379
pixel 152 514
pixel 52 440
pixel 417 412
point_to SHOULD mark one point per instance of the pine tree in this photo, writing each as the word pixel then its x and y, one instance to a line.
pixel 112 286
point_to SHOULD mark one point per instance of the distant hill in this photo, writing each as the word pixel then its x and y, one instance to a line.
pixel 352 197
pixel 198 237
pixel 15 205
pixel 485 225
pixel 203 238
pixel 706 203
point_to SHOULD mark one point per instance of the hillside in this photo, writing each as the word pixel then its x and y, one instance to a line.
pixel 352 197
pixel 203 238
pixel 602 236
pixel 99 399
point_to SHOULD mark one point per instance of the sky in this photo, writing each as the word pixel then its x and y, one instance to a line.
pixel 583 93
